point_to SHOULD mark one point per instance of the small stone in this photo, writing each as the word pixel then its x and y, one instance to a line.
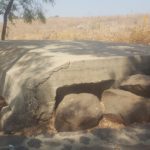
pixel 95 147
pixel 84 140
pixel 67 147
pixel 136 147
pixel 21 148
pixel 35 143
pixel 11 147
pixel 104 134
pixel 69 140
pixel 52 143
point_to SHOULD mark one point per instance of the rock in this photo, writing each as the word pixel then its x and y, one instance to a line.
pixel 78 112
pixel 138 84
pixel 130 107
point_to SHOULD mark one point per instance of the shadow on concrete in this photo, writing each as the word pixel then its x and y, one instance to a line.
pixel 12 51
pixel 99 49
pixel 92 88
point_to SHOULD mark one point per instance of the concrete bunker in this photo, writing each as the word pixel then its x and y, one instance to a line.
pixel 33 78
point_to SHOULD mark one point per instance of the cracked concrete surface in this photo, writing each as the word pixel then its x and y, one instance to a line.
pixel 65 66
pixel 32 71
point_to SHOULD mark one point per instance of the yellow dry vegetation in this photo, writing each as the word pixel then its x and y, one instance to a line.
pixel 129 28
pixel 111 121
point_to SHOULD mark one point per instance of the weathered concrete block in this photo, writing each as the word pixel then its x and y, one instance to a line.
pixel 31 72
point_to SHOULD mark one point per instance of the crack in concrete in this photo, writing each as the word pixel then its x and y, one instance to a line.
pixel 65 66
pixel 34 90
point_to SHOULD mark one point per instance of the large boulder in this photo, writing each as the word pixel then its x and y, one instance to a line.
pixel 78 112
pixel 130 107
pixel 138 84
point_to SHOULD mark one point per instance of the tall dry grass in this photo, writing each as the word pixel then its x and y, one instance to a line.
pixel 130 29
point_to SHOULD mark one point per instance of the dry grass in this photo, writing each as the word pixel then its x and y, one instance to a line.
pixel 41 128
pixel 111 121
pixel 130 29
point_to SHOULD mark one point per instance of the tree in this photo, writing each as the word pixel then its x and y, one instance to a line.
pixel 28 10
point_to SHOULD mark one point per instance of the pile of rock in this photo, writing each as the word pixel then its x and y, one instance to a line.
pixel 128 104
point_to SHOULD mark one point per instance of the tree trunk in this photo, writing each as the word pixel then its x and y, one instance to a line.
pixel 4 28
pixel 5 19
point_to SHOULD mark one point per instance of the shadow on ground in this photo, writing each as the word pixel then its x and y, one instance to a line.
pixel 133 138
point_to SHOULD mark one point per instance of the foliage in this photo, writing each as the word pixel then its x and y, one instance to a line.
pixel 29 10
